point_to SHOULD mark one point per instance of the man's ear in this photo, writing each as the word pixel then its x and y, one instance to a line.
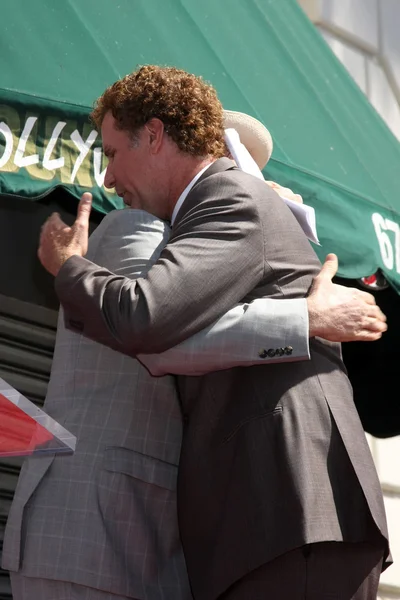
pixel 155 130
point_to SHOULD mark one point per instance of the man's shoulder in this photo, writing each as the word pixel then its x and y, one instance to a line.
pixel 236 181
pixel 126 240
pixel 126 220
pixel 125 223
pixel 229 189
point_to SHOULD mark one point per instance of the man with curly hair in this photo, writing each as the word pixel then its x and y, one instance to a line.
pixel 277 494
pixel 112 504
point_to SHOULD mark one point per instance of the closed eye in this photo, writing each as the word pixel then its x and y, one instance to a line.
pixel 109 152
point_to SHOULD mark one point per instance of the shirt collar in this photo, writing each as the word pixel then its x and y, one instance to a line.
pixel 185 192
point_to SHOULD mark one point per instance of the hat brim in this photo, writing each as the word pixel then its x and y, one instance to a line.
pixel 253 134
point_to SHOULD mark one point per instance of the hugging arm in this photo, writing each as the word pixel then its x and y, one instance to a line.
pixel 263 331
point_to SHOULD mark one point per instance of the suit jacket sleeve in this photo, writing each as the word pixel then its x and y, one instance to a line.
pixel 213 259
pixel 241 337
pixel 129 242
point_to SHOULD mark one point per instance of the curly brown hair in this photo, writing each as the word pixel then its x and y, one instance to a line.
pixel 189 108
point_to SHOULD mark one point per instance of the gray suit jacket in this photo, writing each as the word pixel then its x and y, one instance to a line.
pixel 272 457
pixel 106 517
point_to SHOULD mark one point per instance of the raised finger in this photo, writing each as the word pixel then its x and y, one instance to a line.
pixel 84 209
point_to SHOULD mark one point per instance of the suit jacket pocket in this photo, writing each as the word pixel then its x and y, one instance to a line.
pixel 141 466
pixel 269 413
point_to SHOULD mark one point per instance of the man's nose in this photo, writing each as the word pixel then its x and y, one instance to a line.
pixel 109 179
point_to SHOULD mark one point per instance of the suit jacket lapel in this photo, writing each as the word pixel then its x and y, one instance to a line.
pixel 220 165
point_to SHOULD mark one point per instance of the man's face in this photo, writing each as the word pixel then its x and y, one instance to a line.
pixel 132 166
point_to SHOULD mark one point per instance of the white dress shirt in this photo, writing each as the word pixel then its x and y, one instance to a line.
pixel 185 192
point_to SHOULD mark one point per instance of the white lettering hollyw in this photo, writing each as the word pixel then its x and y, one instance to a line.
pixel 97 159
pixel 50 163
pixel 389 245
pixel 8 136
pixel 25 161
pixel 83 148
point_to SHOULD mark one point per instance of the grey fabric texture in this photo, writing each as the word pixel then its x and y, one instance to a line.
pixel 251 333
pixel 106 517
pixel 34 588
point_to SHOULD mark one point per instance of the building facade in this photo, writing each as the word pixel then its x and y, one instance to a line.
pixel 364 35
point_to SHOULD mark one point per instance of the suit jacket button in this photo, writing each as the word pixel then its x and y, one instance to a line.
pixel 271 352
pixel 280 351
pixel 288 350
pixel 263 353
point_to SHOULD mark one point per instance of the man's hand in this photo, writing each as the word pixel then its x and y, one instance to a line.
pixel 58 242
pixel 342 314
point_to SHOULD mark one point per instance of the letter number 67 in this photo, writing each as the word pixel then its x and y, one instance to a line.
pixel 382 226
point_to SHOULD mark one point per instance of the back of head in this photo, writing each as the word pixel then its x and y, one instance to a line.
pixel 188 107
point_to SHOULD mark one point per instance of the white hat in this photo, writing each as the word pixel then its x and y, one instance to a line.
pixel 253 134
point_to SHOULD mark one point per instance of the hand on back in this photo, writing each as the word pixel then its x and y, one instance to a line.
pixel 342 314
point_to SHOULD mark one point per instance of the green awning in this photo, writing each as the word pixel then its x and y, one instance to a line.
pixel 263 56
